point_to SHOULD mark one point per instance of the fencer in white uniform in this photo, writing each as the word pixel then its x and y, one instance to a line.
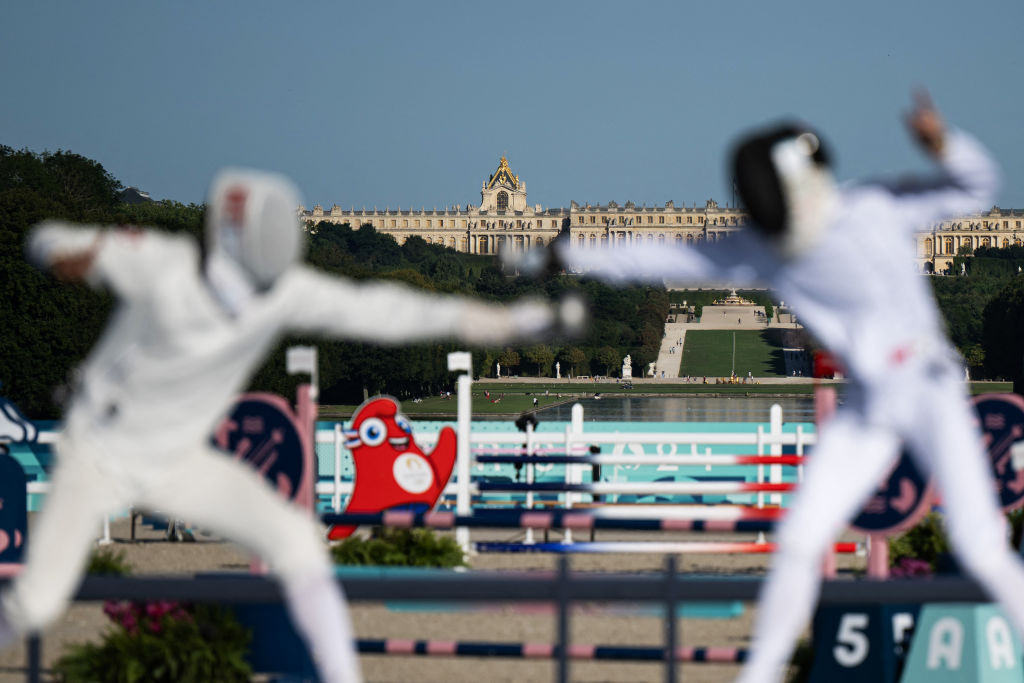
pixel 190 327
pixel 843 257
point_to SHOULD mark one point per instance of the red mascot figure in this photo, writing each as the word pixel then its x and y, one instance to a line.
pixel 390 469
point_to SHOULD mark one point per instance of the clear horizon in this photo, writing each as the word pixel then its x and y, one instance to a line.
pixel 412 105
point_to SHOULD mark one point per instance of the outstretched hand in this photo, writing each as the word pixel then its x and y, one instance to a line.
pixel 926 124
pixel 73 267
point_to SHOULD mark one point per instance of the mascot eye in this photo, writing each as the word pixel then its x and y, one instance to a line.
pixel 403 423
pixel 373 432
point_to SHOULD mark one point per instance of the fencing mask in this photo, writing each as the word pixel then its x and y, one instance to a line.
pixel 252 221
pixel 782 175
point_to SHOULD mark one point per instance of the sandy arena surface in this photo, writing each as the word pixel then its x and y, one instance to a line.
pixel 592 624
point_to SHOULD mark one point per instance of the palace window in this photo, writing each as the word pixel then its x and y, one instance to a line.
pixel 416 223
pixel 393 223
pixel 502 201
pixel 430 223
pixel 583 241
pixel 689 219
pixel 581 220
pixel 593 219
pixel 949 245
pixel 985 242
pixel 405 222
pixel 679 219
pixel 650 219
pixel 1006 243
pixel 593 240
pixel 661 220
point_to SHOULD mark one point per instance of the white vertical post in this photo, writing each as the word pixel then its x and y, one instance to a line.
pixel 336 498
pixel 573 472
pixel 760 468
pixel 760 476
pixel 800 452
pixel 529 478
pixel 461 360
pixel 775 471
pixel 463 504
pixel 106 540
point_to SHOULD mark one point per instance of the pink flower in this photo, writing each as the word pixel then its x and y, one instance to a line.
pixel 908 567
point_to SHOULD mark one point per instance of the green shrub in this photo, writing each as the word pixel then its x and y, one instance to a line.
pixel 927 541
pixel 401 548
pixel 162 641
pixel 109 562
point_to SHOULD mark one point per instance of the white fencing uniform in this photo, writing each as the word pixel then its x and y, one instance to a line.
pixel 173 358
pixel 857 292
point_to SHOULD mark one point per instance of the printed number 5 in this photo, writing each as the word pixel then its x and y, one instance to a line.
pixel 852 647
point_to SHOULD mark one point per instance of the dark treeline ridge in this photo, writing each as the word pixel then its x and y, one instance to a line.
pixel 49 328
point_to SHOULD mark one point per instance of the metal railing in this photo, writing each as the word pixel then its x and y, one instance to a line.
pixel 561 587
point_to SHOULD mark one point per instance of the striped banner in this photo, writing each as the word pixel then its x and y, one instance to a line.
pixel 641 459
pixel 660 547
pixel 451 648
pixel 638 487
pixel 555 519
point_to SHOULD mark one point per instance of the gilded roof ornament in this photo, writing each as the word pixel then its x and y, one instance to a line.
pixel 504 176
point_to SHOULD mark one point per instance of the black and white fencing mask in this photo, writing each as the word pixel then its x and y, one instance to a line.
pixel 783 177
pixel 252 219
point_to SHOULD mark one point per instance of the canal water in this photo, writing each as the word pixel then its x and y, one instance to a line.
pixel 684 409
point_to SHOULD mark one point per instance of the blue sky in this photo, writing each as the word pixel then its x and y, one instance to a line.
pixel 413 103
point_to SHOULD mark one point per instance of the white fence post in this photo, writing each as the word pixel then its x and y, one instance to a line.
pixel 529 478
pixel 336 498
pixel 573 473
pixel 775 471
pixel 461 360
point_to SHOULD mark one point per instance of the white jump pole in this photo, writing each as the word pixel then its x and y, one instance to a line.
pixel 775 429
pixel 529 477
pixel 574 472
pixel 462 361
pixel 336 498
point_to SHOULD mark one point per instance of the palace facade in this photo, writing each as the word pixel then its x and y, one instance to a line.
pixel 504 217
pixel 996 227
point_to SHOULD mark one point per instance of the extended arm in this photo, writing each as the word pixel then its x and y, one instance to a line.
pixel 392 313
pixel 968 179
pixel 122 259
pixel 736 260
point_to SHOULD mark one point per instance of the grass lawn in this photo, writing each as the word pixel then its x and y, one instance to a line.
pixel 709 353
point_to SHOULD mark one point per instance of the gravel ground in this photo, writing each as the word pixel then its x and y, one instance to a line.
pixel 593 624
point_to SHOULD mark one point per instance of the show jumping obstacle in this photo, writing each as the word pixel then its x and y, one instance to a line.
pixel 451 648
